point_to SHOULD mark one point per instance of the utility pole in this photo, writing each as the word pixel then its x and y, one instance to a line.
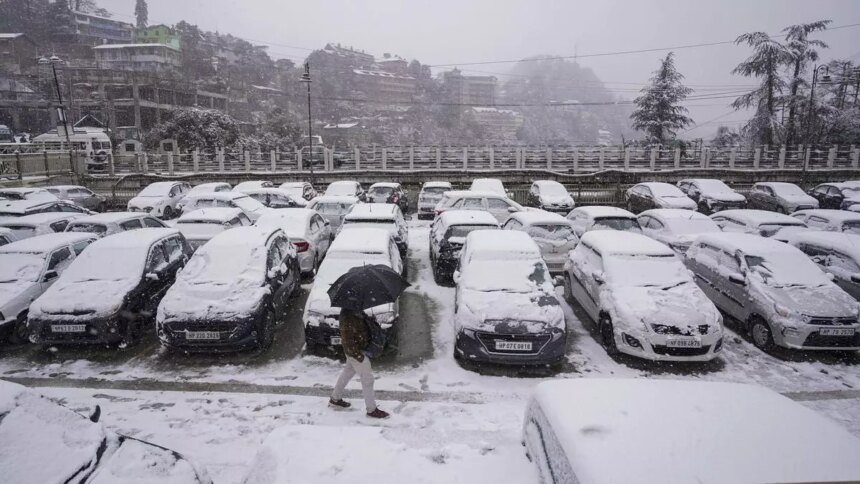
pixel 61 110
pixel 824 78
pixel 306 78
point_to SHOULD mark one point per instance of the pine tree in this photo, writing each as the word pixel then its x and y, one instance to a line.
pixel 659 112
pixel 767 61
pixel 802 51
pixel 141 13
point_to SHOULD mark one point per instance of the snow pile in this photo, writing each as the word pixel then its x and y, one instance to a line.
pixel 342 188
pixel 136 462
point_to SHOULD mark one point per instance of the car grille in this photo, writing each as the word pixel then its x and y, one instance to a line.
pixel 674 330
pixel 832 321
pixel 667 351
pixel 818 340
pixel 805 207
pixel 538 342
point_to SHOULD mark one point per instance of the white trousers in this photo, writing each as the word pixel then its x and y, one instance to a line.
pixel 352 367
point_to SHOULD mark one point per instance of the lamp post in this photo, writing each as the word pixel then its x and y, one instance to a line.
pixel 825 78
pixel 306 78
pixel 61 109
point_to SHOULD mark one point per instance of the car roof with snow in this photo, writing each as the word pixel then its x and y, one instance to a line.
pixel 251 184
pixel 110 217
pixel 22 190
pixel 758 217
pixel 603 211
pixel 372 211
pixel 45 243
pixel 335 199
pixel 674 214
pixel 614 435
pixel 385 185
pixel 830 214
pixel 544 183
pixel 211 185
pixel 46 217
pixel 613 242
pixel 296 218
pixel 134 239
pixel 777 185
pixel 467 217
pixel 248 236
pixel 267 190
pixel 659 188
pixel 223 196
pixel 847 243
pixel 343 183
pixel 436 184
pixel 747 243
pixel 167 184
pixel 299 184
pixel 365 240
pixel 64 187
pixel 215 214
pixel 505 244
pixel 539 217
pixel 22 206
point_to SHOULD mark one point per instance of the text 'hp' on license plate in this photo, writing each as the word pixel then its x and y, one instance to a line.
pixel 514 345
pixel 335 341
pixel 68 328
pixel 684 343
pixel 198 335
pixel 836 331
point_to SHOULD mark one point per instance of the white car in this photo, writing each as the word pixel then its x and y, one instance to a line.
pixel 552 233
pixel 759 222
pixel 429 196
pixel 109 223
pixel 301 192
pixel 209 188
pixel 551 196
pixel 643 299
pixel 272 197
pixel 333 208
pixel 308 231
pixel 160 199
pixel 346 189
pixel 599 217
pixel 253 185
pixel 380 215
pixel 500 206
pixel 27 269
pixel 617 430
pixel 712 195
pixel 19 208
pixel 492 185
pixel 830 220
pixel 40 223
pixel 232 199
pixel 362 247
pixel 200 226
pixel 675 227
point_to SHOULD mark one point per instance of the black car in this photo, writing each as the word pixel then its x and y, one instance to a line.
pixel 447 235
pixel 650 195
pixel 389 193
pixel 836 195
pixel 230 296
pixel 111 291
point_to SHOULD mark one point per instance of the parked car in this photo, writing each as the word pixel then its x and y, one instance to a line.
pixel 79 195
pixel 382 216
pixel 109 223
pixel 243 187
pixel 835 253
pixel 27 193
pixel 598 217
pixel 232 199
pixel 307 230
pixel 6 236
pixel 551 196
pixel 779 197
pixel 830 220
pixel 759 222
pixel 40 223
pixel 552 233
pixel 650 195
pixel 346 189
pixel 675 228
pixel 78 449
pixel 447 236
pixel 27 269
pixel 198 227
pixel 775 292
pixel 611 435
pixel 363 247
pixel 838 196
pixel 386 192
pixel 272 197
pixel 232 294
pixel 505 307
pixel 642 298
pixel 20 208
pixel 500 206
pixel 333 209
pixel 301 192
pixel 429 196
pixel 209 188
pixel 110 292
pixel 712 195
pixel 492 185
pixel 160 199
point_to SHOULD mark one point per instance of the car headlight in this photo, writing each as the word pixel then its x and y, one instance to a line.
pixel 147 209
pixel 783 311
pixel 469 332
pixel 315 317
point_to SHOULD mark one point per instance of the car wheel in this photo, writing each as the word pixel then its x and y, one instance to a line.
pixel 761 334
pixel 266 334
pixel 703 208
pixel 630 207
pixel 607 335
pixel 102 207
pixel 568 290
pixel 20 333
pixel 780 209
pixel 168 213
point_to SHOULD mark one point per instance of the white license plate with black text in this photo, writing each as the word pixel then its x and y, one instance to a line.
pixel 203 335
pixel 68 328
pixel 684 343
pixel 514 345
pixel 836 331
pixel 335 340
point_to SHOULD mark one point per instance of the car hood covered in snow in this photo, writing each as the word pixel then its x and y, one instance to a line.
pixel 84 300
pixel 508 312
pixel 144 202
pixel 724 196
pixel 827 300
pixel 563 200
pixel 684 306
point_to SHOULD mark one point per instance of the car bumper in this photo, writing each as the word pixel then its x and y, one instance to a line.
pixel 306 261
pixel 95 331
pixel 656 347
pixel 809 337
pixel 232 335
pixel 547 348
pixel 555 262
pixel 720 206
pixel 446 267
pixel 323 333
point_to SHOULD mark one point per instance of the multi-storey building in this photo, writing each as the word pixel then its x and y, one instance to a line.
pixel 137 57
pixel 94 30
pixel 469 90
pixel 385 86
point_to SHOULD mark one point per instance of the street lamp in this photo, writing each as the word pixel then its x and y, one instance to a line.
pixel 825 78
pixel 61 109
pixel 306 78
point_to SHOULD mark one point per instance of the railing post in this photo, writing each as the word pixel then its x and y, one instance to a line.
pixel 807 158
pixel 145 163
pixel 757 157
pixel 465 158
pixel 653 161
pixel 600 159
pixel 195 161
pixel 492 157
pixel 170 163
pixel 732 155
pixel 781 161
pixel 384 159
pixel 411 158
pixel 299 159
pixel 703 159
pixel 855 157
pixel 438 158
pixel 575 159
pixel 831 156
pixel 357 153
pixel 273 158
pixel 627 159
pixel 677 158
pixel 47 165
pixel 18 165
pixel 219 156
pixel 549 158
pixel 247 161
pixel 111 166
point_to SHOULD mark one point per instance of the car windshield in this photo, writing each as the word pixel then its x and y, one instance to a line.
pixel 553 190
pixel 434 192
pixel 339 189
pixel 248 204
pixel 20 266
pixel 87 227
pixel 332 208
pixel 851 227
pixel 768 230
pixel 521 276
pixel 616 223
pixel 381 191
pixel 106 264
pixel 786 269
pixel 789 190
pixel 463 230
pixel 714 186
pixel 663 271
pixel 225 264
pixel 155 190
pixel 10 195
pixel 696 225
pixel 551 231
pixel 22 231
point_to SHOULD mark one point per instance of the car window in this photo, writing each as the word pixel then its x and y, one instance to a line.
pixel 820 190
pixel 274 257
pixel 59 225
pixel 512 225
pixel 729 262
pixel 473 203
pixel 243 219
pixel 837 260
pixel 79 247
pixel 156 259
pixel 816 221
pixel 174 191
pixel 457 204
pixel 60 259
pixel 497 204
pixel 833 192
pixel 152 223
pixel 173 246
pixel 132 224
pixel 818 254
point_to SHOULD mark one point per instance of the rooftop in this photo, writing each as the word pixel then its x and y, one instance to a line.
pixel 597 211
pixel 362 240
pixel 372 211
pixel 502 242
pixel 437 184
pixel 748 243
pixel 613 242
pixel 534 217
pixel 758 217
pixel 110 217
pixel 133 239
pixel 674 213
pixel 45 243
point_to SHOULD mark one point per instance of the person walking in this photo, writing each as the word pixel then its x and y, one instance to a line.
pixel 356 338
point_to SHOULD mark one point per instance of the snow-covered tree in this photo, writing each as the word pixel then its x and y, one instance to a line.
pixel 802 51
pixel 141 13
pixel 195 128
pixel 767 61
pixel 726 137
pixel 659 112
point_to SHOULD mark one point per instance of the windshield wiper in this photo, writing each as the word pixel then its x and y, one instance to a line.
pixel 674 285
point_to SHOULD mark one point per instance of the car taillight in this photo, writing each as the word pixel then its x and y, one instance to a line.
pixel 301 245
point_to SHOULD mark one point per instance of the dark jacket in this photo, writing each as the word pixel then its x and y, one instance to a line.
pixel 354 333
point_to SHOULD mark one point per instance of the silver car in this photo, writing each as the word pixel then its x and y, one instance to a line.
pixel 80 195
pixel 551 232
pixel 836 253
pixel 333 208
pixel 429 196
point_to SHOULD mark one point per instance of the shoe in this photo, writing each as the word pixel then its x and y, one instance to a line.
pixel 339 403
pixel 377 413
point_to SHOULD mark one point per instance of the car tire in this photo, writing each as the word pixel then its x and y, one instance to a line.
pixel 607 335
pixel 568 289
pixel 780 209
pixel 266 333
pixel 168 213
pixel 703 208
pixel 761 334
pixel 102 207
pixel 630 207
pixel 20 334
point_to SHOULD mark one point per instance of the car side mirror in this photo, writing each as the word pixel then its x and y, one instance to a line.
pixel 153 276
pixel 598 278
pixel 50 275
pixel 737 278
pixel 512 209
pixel 855 278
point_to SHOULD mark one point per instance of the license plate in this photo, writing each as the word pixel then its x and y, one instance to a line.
pixel 836 331
pixel 203 335
pixel 335 340
pixel 684 343
pixel 514 345
pixel 68 328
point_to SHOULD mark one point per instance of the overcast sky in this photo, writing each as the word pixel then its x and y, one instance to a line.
pixel 467 31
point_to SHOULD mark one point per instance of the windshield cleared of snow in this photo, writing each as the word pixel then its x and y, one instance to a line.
pixel 513 276
pixel 786 269
pixel 20 267
pixel 645 271
pixel 616 223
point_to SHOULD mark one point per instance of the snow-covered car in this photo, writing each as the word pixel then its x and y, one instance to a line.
pixel 272 197
pixel 40 223
pixel 27 193
pixel 447 236
pixel 650 195
pixel 20 208
pixel 505 307
pixel 779 197
pixel 492 185
pixel 642 298
pixel 599 217
pixel 301 192
pixel 676 228
pixel 388 192
pixel 209 188
pixel 42 441
pixel 552 233
pixel 381 216
pixel 362 247
pixel 243 187
pixel 109 223
pixel 830 220
pixel 759 222
pixel 333 208
pixel 500 206
pixel 232 293
pixel 776 293
pixel 110 292
pixel 346 188
pixel 712 195
pixel 612 430
pixel 429 196
pixel 838 196
pixel 79 195
pixel 200 226
pixel 160 199
pixel 308 231
pixel 551 196
pixel 252 208
pixel 835 253
pixel 27 269
pixel 6 236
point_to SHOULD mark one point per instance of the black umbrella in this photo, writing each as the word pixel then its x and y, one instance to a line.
pixel 367 286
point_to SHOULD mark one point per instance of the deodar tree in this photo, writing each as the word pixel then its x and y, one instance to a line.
pixel 659 112
pixel 802 50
